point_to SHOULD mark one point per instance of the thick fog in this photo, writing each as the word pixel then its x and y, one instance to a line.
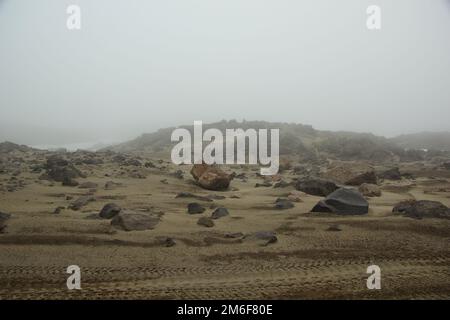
pixel 136 66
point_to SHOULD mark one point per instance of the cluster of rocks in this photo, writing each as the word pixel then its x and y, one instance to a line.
pixel 196 208
pixel 61 170
pixel 129 220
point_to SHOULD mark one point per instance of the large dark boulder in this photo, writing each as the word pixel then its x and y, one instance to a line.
pixel 343 202
pixel 109 211
pixel 59 169
pixel 316 187
pixel 423 209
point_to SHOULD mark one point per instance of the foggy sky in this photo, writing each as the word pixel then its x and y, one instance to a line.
pixel 136 66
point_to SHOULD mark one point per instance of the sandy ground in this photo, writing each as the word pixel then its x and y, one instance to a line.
pixel 306 262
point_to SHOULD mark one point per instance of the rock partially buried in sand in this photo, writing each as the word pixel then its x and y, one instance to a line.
pixel 316 187
pixel 391 174
pixel 365 177
pixel 88 185
pixel 69 182
pixel 81 202
pixel 58 210
pixel 206 222
pixel 190 195
pixel 282 204
pixel 195 208
pixel 343 202
pixel 334 228
pixel 423 209
pixel 266 237
pixel 219 213
pixel 132 221
pixel 3 218
pixel 370 190
pixel 109 211
pixel 210 177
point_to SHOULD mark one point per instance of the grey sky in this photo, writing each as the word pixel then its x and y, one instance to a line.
pixel 140 65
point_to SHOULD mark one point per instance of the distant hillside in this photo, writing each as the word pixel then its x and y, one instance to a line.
pixel 299 139
pixel 425 140
pixel 7 147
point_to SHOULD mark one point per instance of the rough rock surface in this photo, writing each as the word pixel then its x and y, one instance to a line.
pixel 206 222
pixel 316 187
pixel 370 190
pixel 219 213
pixel 423 209
pixel 109 211
pixel 210 177
pixel 133 221
pixel 344 202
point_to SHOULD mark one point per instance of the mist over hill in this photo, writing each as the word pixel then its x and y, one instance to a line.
pixel 424 140
pixel 305 141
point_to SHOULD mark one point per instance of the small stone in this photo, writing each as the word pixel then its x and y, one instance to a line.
pixel 195 208
pixel 219 213
pixel 206 222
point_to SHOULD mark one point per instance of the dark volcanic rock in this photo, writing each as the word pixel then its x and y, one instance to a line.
pixel 206 222
pixel 264 184
pixel 190 195
pixel 59 169
pixel 281 184
pixel 178 174
pixel 110 185
pixel 316 187
pixel 423 209
pixel 58 210
pixel 81 202
pixel 69 182
pixel 391 174
pixel 219 213
pixel 195 208
pixel 282 204
pixel 132 221
pixel 110 210
pixel 344 202
pixel 334 227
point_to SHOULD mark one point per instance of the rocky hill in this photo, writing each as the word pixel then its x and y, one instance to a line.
pixel 295 139
pixel 424 140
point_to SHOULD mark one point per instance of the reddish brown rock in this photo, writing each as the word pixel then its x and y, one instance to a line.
pixel 210 177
